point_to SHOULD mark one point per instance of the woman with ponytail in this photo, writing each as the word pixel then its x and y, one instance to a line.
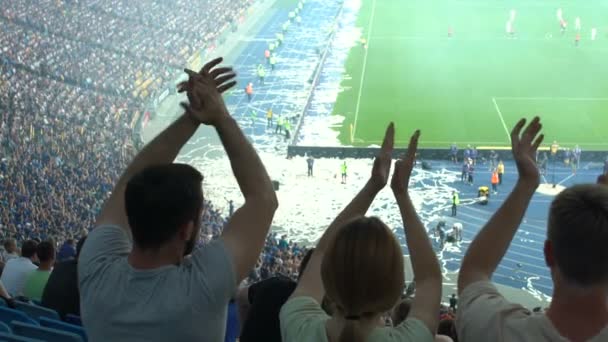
pixel 358 267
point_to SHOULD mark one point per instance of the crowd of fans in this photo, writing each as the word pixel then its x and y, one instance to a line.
pixel 76 62
pixel 68 164
pixel 71 92
pixel 161 31
pixel 59 142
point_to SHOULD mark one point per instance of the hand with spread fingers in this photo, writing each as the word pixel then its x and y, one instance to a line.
pixel 404 167
pixel 382 163
pixel 204 90
pixel 524 145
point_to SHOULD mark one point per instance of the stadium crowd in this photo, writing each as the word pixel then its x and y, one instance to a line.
pixel 71 92
pixel 69 164
pixel 152 30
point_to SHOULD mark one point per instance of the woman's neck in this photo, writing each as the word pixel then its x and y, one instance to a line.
pixel 335 324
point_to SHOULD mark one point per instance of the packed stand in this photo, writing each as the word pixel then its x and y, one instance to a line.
pixel 61 142
pixel 78 63
pixel 70 92
pixel 151 30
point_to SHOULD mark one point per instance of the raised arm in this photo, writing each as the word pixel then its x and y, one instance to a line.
pixel 246 231
pixel 490 245
pixel 310 283
pixel 164 148
pixel 248 227
pixel 425 305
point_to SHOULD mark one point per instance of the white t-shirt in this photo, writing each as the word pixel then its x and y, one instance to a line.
pixel 172 303
pixel 8 256
pixel 485 315
pixel 15 274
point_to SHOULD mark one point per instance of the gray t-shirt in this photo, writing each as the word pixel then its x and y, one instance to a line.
pixel 172 303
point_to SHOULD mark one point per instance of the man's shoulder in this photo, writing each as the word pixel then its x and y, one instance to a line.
pixel 22 264
pixel 104 246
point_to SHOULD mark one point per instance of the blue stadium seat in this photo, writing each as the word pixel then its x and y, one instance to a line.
pixel 14 338
pixel 5 328
pixel 35 311
pixel 7 315
pixel 46 334
pixel 59 325
pixel 73 319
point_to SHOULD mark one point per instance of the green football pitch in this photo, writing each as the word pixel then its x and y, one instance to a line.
pixel 472 87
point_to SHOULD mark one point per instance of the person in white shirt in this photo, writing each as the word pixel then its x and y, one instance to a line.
pixel 18 269
pixel 457 231
pixel 575 251
pixel 509 28
pixel 512 15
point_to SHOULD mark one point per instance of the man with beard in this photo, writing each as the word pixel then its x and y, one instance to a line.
pixel 159 289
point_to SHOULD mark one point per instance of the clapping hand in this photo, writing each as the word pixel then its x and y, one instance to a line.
pixel 204 90
pixel 403 167
pixel 524 146
pixel 382 163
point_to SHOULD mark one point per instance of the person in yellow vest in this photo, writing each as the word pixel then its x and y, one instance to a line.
pixel 500 169
pixel 455 203
pixel 269 118
pixel 363 42
pixel 273 62
pixel 287 128
pixel 344 171
pixel 279 126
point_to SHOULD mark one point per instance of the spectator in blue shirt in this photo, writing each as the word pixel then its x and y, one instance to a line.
pixel 67 251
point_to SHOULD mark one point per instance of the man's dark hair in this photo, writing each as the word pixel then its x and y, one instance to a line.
pixel 45 251
pixel 304 262
pixel 161 199
pixel 28 249
pixel 578 231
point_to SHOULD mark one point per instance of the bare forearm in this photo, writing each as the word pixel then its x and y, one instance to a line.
pixel 492 242
pixel 357 207
pixel 3 292
pixel 247 167
pixel 423 258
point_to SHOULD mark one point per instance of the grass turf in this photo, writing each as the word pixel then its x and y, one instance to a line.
pixel 473 87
